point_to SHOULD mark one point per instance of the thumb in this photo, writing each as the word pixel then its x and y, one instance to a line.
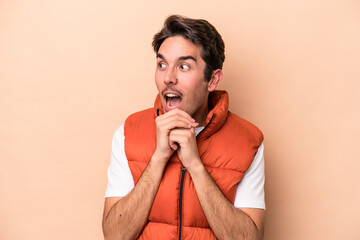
pixel 174 145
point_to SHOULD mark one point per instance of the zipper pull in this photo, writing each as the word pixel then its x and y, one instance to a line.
pixel 183 168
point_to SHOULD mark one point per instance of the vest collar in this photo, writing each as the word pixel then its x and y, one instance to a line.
pixel 218 104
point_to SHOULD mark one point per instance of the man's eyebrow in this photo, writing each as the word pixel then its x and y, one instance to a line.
pixel 160 56
pixel 186 58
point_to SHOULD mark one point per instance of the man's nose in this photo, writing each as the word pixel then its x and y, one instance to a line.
pixel 170 77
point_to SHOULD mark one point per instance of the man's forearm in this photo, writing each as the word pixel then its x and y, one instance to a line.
pixel 128 216
pixel 226 221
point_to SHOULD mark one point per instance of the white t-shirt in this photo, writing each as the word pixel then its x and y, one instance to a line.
pixel 249 192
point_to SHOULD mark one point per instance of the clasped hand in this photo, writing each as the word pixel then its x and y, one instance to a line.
pixel 175 132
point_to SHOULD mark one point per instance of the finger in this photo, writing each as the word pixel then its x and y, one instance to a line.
pixel 178 112
pixel 173 145
pixel 180 136
pixel 178 115
pixel 182 131
pixel 175 116
pixel 166 118
pixel 176 122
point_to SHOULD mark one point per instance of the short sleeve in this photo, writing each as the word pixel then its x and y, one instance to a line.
pixel 120 180
pixel 250 191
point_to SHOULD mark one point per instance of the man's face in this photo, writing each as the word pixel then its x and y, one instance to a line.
pixel 179 77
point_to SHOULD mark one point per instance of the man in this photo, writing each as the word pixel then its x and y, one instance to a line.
pixel 177 169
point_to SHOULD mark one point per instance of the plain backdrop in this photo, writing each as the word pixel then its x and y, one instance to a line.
pixel 71 71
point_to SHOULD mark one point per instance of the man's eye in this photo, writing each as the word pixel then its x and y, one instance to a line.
pixel 161 65
pixel 184 67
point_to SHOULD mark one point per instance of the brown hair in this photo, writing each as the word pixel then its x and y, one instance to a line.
pixel 200 32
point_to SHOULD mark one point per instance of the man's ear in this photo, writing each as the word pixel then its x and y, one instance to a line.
pixel 215 79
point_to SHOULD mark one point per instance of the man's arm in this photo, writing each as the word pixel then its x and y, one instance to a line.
pixel 125 217
pixel 226 221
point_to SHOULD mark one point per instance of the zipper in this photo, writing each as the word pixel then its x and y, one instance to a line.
pixel 183 170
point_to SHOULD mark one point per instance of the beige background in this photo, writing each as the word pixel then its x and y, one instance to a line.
pixel 72 70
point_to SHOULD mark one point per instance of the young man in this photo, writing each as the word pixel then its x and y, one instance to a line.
pixel 177 169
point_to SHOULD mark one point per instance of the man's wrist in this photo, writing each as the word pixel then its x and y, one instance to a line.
pixel 158 160
pixel 196 169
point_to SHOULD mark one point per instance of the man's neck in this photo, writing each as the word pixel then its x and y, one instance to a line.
pixel 201 116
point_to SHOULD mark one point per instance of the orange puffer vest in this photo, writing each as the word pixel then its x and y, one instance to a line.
pixel 227 146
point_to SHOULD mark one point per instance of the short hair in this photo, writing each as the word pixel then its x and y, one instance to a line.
pixel 201 33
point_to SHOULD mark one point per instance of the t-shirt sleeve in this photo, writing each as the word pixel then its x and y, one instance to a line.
pixel 250 190
pixel 120 180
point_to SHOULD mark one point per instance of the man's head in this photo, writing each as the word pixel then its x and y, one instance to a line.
pixel 200 32
pixel 189 57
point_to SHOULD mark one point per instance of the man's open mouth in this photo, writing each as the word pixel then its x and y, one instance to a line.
pixel 173 100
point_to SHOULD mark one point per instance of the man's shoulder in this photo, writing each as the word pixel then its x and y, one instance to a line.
pixel 140 124
pixel 146 114
pixel 139 133
pixel 238 123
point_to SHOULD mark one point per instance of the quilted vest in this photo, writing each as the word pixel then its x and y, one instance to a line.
pixel 227 146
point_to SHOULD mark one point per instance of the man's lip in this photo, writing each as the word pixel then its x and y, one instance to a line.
pixel 171 91
pixel 164 95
